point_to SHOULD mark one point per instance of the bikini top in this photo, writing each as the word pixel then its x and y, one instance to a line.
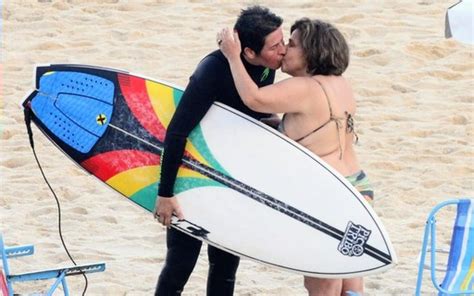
pixel 338 120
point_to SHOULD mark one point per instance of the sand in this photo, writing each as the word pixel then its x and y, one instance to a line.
pixel 415 112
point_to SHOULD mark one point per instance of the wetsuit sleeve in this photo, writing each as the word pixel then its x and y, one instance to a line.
pixel 195 102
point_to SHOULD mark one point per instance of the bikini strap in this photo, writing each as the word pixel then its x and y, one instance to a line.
pixel 349 119
pixel 350 126
pixel 327 98
pixel 331 118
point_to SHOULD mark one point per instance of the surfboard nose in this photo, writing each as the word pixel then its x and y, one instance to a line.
pixel 76 107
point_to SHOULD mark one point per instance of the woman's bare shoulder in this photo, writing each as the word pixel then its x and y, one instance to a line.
pixel 296 85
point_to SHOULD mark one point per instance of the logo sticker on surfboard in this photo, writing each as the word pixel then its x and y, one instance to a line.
pixel 354 240
pixel 101 119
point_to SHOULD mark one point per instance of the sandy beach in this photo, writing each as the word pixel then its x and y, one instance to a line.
pixel 415 123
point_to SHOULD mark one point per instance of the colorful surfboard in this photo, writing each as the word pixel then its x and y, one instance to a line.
pixel 243 187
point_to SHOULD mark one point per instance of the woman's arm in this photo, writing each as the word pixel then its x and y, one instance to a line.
pixel 285 96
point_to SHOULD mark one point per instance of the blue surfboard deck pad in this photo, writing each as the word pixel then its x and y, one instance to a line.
pixel 75 106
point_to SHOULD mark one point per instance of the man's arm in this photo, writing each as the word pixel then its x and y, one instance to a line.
pixel 195 102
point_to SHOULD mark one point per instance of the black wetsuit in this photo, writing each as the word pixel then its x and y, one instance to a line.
pixel 211 81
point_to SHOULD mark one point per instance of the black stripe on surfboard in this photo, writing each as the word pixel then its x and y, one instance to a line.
pixel 282 207
pixel 265 199
pixel 196 230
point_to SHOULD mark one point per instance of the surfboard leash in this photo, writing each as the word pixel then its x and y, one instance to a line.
pixel 27 116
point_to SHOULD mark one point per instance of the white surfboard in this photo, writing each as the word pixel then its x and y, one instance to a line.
pixel 243 186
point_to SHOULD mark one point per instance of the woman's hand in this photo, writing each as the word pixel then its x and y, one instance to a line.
pixel 229 43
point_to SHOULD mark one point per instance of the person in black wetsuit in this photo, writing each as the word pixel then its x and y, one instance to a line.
pixel 263 49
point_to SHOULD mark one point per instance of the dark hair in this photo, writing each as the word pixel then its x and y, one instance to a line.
pixel 325 49
pixel 254 24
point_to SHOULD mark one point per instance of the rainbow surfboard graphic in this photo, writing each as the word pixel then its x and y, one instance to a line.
pixel 77 106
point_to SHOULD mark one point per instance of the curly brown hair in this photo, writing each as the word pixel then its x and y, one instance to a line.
pixel 324 46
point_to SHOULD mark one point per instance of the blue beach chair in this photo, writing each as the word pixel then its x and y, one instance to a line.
pixel 58 275
pixel 459 271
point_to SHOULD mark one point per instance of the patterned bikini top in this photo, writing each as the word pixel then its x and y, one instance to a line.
pixel 338 120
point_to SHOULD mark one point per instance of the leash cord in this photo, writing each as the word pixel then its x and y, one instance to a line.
pixel 32 144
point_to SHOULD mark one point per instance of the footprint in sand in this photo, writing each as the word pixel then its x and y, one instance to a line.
pixel 13 69
pixel 351 33
pixel 109 219
pixel 15 162
pixel 462 67
pixel 49 45
pixel 128 7
pixel 446 75
pixel 104 255
pixel 90 10
pixel 459 120
pixel 370 92
pixel 42 212
pixel 28 18
pixel 386 166
pixel 402 89
pixel 426 2
pixel 367 53
pixel 61 6
pixel 147 260
pixel 432 184
pixel 50 245
pixel 376 129
pixel 373 285
pixel 430 52
pixel 420 133
pixel 68 194
pixel 415 225
pixel 79 210
pixel 137 35
pixel 82 44
pixel 381 60
pixel 463 171
pixel 349 18
pixel 6 134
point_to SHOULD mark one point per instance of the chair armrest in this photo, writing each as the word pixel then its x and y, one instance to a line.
pixel 19 251
pixel 54 273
